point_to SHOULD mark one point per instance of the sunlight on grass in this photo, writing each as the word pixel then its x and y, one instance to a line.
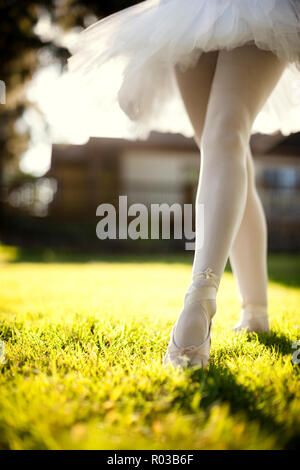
pixel 84 344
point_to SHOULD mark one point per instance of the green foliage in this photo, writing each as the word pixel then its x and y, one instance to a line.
pixel 84 343
pixel 20 51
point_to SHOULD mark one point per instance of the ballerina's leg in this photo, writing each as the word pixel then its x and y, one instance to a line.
pixel 242 82
pixel 195 85
pixel 248 254
pixel 248 258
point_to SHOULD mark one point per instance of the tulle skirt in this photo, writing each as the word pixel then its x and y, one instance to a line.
pixel 126 61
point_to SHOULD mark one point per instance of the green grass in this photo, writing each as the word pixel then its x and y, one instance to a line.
pixel 85 340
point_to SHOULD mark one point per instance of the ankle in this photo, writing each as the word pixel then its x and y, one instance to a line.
pixel 203 289
pixel 206 278
pixel 254 310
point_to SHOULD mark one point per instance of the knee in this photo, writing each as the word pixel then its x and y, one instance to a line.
pixel 251 172
pixel 226 137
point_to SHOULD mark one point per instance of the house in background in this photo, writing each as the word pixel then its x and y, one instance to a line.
pixel 277 164
pixel 164 169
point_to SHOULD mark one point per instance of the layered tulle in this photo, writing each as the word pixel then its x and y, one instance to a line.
pixel 127 59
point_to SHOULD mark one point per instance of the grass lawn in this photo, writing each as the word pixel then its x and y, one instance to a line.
pixel 84 343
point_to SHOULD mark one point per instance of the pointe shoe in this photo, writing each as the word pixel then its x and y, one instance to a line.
pixel 254 319
pixel 189 356
pixel 194 355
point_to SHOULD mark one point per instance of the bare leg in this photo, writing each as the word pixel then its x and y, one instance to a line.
pixel 242 82
pixel 248 259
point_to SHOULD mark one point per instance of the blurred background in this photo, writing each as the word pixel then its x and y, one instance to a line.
pixel 53 176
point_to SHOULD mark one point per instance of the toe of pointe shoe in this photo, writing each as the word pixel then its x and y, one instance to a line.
pixel 190 356
pixel 256 327
pixel 253 319
pixel 185 361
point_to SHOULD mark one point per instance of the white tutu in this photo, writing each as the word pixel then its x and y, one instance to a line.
pixel 127 59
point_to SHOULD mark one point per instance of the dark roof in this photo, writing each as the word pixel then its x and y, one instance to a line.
pixel 156 139
pixel 264 144
pixel 261 144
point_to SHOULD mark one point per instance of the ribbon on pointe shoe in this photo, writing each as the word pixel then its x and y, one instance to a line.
pixel 250 311
pixel 254 319
pixel 203 292
pixel 207 275
pixel 188 356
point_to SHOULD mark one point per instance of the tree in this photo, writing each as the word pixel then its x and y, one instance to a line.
pixel 20 47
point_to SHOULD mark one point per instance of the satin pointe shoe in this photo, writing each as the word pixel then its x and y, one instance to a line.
pixel 253 319
pixel 195 355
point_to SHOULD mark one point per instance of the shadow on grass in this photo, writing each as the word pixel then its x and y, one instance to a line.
pixel 50 255
pixel 219 385
pixel 278 342
pixel 284 269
